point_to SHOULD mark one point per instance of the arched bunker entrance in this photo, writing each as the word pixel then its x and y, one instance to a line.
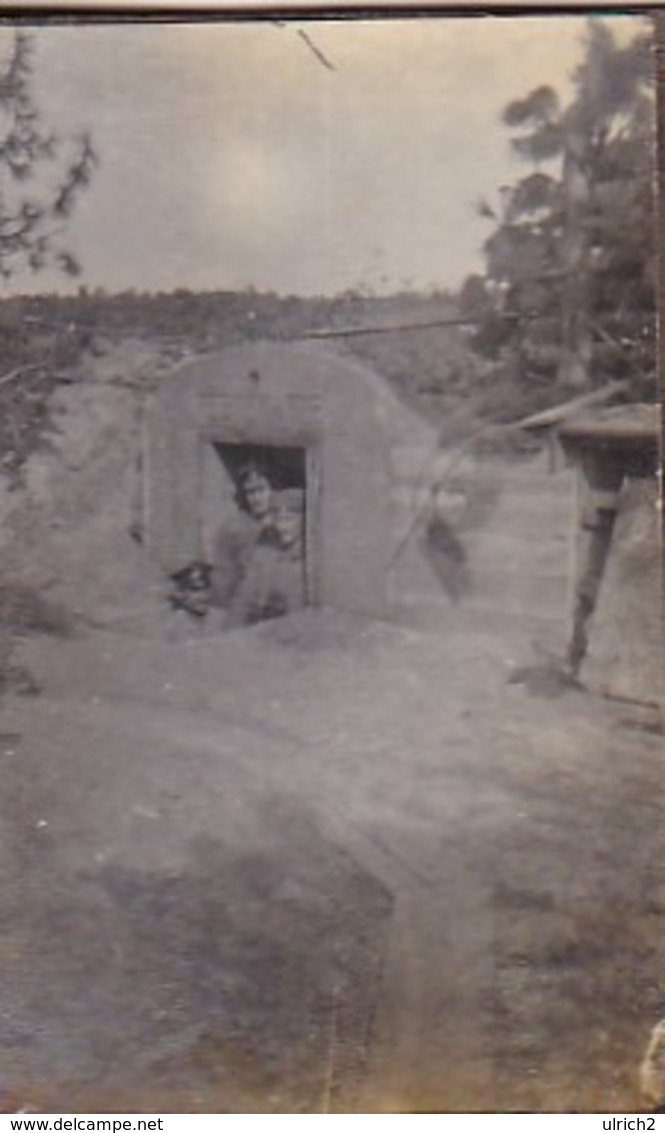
pixel 317 420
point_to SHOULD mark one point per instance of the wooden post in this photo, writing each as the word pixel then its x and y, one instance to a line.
pixel 600 480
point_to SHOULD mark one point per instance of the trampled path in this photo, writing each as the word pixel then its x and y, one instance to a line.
pixel 324 865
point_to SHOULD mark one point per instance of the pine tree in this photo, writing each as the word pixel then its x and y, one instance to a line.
pixel 41 176
pixel 569 293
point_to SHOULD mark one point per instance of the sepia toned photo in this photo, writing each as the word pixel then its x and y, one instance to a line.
pixel 331 681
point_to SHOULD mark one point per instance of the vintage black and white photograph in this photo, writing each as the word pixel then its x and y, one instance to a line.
pixel 331 677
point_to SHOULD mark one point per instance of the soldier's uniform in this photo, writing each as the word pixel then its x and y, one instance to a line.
pixel 231 556
pixel 274 582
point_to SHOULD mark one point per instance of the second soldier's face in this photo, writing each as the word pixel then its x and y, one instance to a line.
pixel 288 525
pixel 258 495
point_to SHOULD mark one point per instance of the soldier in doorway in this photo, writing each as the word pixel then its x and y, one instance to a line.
pixel 236 542
pixel 274 583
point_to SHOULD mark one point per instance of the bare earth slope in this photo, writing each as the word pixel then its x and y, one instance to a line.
pixel 324 865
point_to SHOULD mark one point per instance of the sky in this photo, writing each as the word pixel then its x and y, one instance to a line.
pixel 234 156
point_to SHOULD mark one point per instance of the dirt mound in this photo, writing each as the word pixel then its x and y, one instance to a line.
pixel 71 526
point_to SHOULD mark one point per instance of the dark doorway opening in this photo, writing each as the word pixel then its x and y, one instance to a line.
pixel 285 466
pixel 276 563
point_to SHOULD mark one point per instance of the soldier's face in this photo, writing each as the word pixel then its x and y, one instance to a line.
pixel 258 496
pixel 288 525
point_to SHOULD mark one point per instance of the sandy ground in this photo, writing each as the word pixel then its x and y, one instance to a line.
pixel 324 865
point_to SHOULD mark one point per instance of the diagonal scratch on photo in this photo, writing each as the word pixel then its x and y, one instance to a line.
pixel 331 676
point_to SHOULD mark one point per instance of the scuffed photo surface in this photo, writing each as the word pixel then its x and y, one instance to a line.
pixel 330 647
